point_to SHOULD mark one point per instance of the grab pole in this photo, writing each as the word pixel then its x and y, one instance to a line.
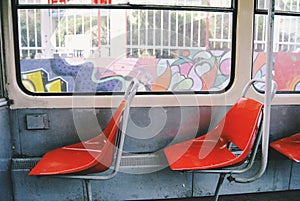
pixel 268 96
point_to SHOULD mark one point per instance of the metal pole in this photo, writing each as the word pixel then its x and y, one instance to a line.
pixel 88 187
pixel 268 96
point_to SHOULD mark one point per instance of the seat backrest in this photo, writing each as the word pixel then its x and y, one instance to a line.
pixel 241 123
pixel 114 122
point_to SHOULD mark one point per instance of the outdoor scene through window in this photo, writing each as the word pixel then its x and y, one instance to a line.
pixel 100 50
pixel 286 48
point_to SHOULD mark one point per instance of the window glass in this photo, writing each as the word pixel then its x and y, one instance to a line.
pixel 281 5
pixel 2 93
pixel 206 3
pixel 286 49
pixel 100 49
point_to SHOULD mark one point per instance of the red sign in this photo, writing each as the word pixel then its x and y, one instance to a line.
pixel 92 1
pixel 101 1
pixel 56 1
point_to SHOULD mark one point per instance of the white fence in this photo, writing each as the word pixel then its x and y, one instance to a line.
pixel 286 29
pixel 154 33
pixel 145 32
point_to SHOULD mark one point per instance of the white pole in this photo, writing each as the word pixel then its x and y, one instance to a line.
pixel 268 88
pixel 268 96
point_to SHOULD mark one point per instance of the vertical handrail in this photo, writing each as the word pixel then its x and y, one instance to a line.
pixel 129 95
pixel 267 97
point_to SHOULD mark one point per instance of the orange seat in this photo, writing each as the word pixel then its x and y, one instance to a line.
pixel 225 148
pixel 289 146
pixel 93 155
pixel 212 150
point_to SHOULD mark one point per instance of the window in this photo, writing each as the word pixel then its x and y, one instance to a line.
pixel 286 43
pixel 97 46
pixel 2 90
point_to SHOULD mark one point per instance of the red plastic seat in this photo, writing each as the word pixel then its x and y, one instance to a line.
pixel 289 146
pixel 212 150
pixel 94 155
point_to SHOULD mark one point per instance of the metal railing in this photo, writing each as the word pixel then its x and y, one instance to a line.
pixel 286 27
pixel 158 33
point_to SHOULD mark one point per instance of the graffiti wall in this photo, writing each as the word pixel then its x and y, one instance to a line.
pixel 190 71
pixel 286 69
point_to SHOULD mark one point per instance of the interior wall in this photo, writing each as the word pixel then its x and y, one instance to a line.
pixel 5 155
pixel 149 130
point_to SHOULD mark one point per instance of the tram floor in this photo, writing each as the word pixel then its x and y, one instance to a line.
pixel 268 196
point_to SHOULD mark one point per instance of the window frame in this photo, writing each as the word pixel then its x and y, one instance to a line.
pixel 232 9
pixel 3 93
pixel 242 74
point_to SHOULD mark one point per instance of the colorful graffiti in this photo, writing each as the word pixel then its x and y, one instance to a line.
pixel 190 71
pixel 200 71
pixel 286 69
pixel 38 81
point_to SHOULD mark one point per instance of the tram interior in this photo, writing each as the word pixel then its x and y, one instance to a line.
pixel 32 126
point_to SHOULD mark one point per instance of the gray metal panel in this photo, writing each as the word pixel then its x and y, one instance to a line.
pixel 5 186
pixel 142 176
pixel 5 155
pixel 145 131
pixel 295 178
pixel 15 137
pixel 152 129
pixel 66 126
pixel 5 147
pixel 161 184
pixel 284 121
pixel 276 178
pixel 181 122
pixel 37 121
pixel 157 185
pixel 37 142
pixel 32 188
